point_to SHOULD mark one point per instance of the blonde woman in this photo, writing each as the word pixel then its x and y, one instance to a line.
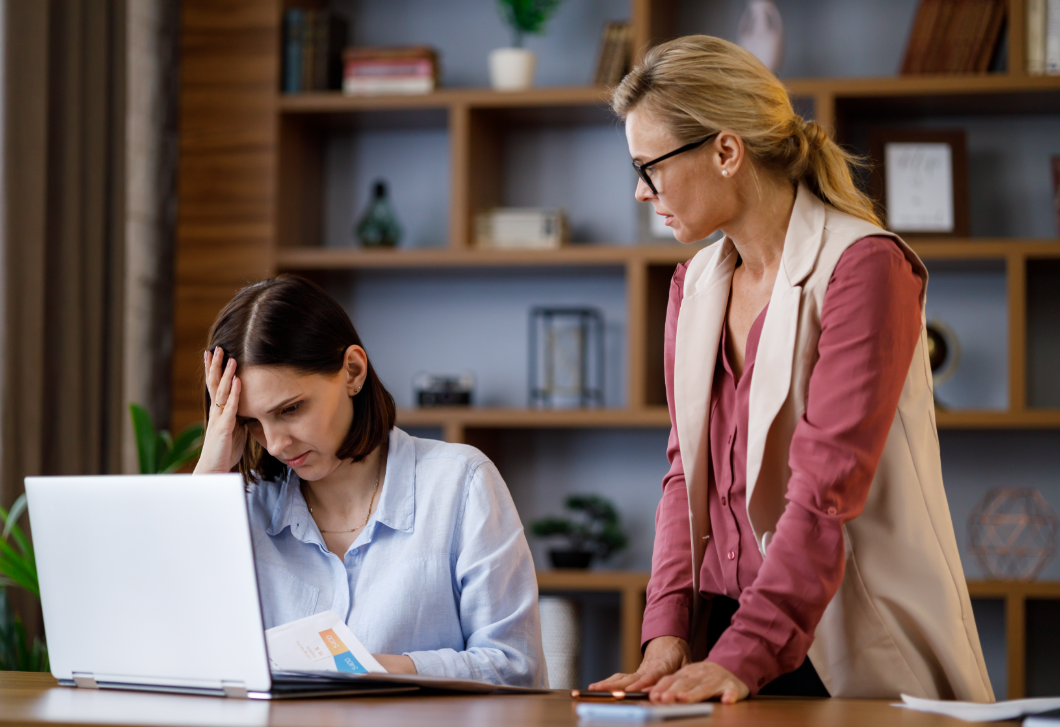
pixel 803 541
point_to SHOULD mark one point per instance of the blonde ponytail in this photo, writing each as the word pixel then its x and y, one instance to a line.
pixel 699 84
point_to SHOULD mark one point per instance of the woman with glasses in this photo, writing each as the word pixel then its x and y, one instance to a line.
pixel 803 541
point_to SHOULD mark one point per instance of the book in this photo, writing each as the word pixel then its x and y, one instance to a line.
pixel 954 36
pixel 920 37
pixel 1052 37
pixel 1035 37
pixel 293 20
pixel 992 38
pixel 612 62
pixel 312 47
pixel 1056 191
pixel 368 70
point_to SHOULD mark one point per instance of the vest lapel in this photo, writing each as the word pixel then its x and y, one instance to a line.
pixel 696 351
pixel 776 348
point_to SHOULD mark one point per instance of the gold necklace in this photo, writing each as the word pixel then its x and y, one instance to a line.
pixel 367 514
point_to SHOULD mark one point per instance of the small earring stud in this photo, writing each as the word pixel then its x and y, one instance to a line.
pixel 724 172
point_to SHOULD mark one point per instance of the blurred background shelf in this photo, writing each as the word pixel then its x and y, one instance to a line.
pixel 270 182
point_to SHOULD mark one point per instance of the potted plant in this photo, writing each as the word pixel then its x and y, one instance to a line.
pixel 594 531
pixel 159 453
pixel 512 69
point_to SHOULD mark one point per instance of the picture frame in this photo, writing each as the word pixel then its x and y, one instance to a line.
pixel 919 178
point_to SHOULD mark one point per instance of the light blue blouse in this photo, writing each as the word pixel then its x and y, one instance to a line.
pixel 442 572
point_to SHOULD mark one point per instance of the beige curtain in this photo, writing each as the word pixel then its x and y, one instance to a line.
pixel 63 135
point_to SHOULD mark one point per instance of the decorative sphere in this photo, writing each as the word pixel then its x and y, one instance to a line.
pixel 938 349
pixel 1013 533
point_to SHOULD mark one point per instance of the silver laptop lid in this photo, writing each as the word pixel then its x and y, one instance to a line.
pixel 149 580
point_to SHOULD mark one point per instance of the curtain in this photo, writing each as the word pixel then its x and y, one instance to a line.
pixel 63 257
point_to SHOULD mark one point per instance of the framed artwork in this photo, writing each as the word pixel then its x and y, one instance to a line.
pixel 920 178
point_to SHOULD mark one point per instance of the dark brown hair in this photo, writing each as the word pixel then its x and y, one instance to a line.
pixel 290 321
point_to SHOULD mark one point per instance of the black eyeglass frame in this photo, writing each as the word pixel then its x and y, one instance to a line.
pixel 646 165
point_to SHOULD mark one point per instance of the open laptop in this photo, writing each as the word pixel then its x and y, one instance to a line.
pixel 148 582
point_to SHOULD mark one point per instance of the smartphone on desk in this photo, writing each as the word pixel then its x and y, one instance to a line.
pixel 618 712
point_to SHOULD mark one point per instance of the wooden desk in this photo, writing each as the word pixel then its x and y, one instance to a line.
pixel 35 699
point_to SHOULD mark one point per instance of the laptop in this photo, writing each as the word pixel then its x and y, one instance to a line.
pixel 147 582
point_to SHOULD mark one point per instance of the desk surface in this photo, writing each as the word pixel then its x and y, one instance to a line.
pixel 35 699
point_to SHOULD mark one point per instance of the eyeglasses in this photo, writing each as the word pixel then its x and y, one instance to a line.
pixel 642 169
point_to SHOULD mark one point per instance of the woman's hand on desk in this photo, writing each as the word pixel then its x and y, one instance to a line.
pixel 395 664
pixel 224 440
pixel 662 656
pixel 697 682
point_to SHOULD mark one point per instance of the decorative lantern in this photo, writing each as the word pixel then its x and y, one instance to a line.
pixel 1013 533
pixel 566 358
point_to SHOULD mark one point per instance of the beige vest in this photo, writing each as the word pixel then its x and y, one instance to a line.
pixel 901 622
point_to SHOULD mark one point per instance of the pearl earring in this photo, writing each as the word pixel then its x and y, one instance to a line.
pixel 724 172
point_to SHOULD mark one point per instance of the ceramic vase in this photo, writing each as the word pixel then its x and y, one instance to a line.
pixel 560 640
pixel 762 32
pixel 512 69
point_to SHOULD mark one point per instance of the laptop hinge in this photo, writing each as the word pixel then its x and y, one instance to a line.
pixel 85 680
pixel 236 690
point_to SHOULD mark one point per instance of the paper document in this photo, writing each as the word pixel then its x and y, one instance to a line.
pixel 321 642
pixel 975 712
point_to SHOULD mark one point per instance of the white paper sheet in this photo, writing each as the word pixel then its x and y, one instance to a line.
pixel 321 642
pixel 975 712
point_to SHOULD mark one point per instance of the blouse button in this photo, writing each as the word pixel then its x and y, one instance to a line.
pixel 732 555
pixel 724 502
pixel 831 511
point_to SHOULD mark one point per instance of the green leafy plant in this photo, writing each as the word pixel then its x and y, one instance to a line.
pixel 18 568
pixel 594 528
pixel 17 653
pixel 527 16
pixel 159 452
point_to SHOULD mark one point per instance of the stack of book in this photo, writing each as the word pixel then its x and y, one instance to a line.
pixel 615 52
pixel 955 36
pixel 312 50
pixel 1043 37
pixel 373 71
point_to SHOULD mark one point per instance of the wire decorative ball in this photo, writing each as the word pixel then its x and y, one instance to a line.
pixel 1013 533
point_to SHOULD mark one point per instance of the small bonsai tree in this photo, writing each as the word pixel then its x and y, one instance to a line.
pixel 594 529
pixel 527 16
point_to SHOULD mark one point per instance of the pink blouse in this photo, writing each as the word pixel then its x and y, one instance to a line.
pixel 870 324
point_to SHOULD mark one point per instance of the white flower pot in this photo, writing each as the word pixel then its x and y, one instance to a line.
pixel 512 69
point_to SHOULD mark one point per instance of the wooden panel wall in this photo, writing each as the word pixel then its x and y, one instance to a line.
pixel 230 70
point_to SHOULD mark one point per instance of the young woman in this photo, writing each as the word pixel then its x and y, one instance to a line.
pixel 416 543
pixel 803 541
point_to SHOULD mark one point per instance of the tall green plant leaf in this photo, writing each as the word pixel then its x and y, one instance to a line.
pixel 17 567
pixel 159 452
pixel 146 439
pixel 184 448
pixel 16 652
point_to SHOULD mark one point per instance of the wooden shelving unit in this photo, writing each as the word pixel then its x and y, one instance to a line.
pixel 631 585
pixel 250 205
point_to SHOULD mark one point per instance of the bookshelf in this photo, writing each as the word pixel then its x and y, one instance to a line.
pixel 251 194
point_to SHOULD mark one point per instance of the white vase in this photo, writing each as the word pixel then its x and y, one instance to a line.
pixel 512 69
pixel 561 640
pixel 762 32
